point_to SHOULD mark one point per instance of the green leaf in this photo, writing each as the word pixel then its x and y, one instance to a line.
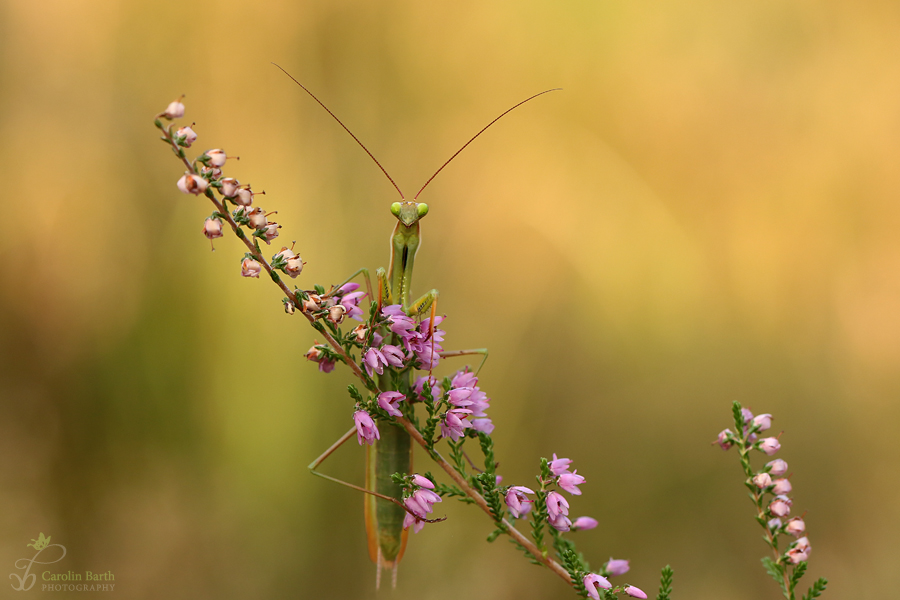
pixel 774 570
pixel 665 583
pixel 817 588
pixel 799 570
pixel 494 535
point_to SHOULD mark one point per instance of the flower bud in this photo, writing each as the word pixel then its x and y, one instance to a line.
pixel 421 481
pixel 336 314
pixel 229 187
pixel 271 231
pixel 212 227
pixel 311 304
pixel 175 110
pixel 763 421
pixel 216 157
pixel 782 486
pixel 777 467
pixel 314 354
pixel 250 268
pixel 244 197
pixel 212 172
pixel 796 527
pixel 189 135
pixel 762 480
pixel 748 416
pixel 724 439
pixel 192 184
pixel 616 567
pixel 257 218
pixel 770 445
pixel 780 506
pixel 635 592
pixel 774 524
pixel 583 523
pixel 288 307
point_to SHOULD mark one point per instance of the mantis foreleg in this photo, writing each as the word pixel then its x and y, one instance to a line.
pixel 453 353
pixel 365 274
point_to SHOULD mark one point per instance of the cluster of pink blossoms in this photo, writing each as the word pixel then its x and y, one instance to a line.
pixel 419 499
pixel 771 480
pixel 420 343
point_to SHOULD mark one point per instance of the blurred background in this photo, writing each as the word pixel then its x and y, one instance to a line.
pixel 708 212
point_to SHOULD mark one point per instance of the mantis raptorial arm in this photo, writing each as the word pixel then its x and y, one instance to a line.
pixel 365 274
pixel 453 353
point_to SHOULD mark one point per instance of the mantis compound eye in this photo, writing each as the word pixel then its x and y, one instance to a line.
pixel 395 209
pixel 422 209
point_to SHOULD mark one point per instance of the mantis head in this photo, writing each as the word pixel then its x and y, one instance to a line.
pixel 409 213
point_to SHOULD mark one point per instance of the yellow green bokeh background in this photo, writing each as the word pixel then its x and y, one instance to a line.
pixel 708 212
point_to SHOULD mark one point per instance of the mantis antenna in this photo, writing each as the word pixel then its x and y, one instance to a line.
pixel 476 135
pixel 363 146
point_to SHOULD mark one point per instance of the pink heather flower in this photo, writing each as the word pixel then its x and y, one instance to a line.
pixel 350 302
pixel 795 527
pixel 800 552
pixel 593 582
pixel 417 524
pixel 519 504
pixel 480 403
pixel 584 523
pixel 326 365
pixel 780 506
pixel 483 425
pixel 454 423
pixel 421 502
pixel 777 467
pixel 748 416
pixel 616 567
pixel 212 227
pixel 366 430
pixel 782 487
pixel 774 524
pixel 190 136
pixel 216 157
pixel 570 482
pixel 175 110
pixel 257 218
pixel 229 186
pixel 293 263
pixel 419 387
pixel 724 439
pixel 635 592
pixel 558 466
pixel 244 196
pixel 770 446
pixel 250 268
pixel 763 421
pixel 374 361
pixel 400 322
pixel 426 343
pixel 762 480
pixel 464 379
pixel 560 523
pixel 557 505
pixel 459 397
pixel 421 481
pixel 389 401
pixel 192 184
pixel 271 231
pixel 393 355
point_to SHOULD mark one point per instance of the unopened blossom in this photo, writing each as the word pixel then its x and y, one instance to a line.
pixel 326 365
pixel 763 421
pixel 374 361
pixel 570 482
pixel 216 157
pixel 419 387
pixel 800 552
pixel 175 110
pixel 796 527
pixel 422 481
pixel 270 231
pixel 777 467
pixel 593 583
pixel 483 425
pixel 780 506
pixel 762 480
pixel 748 416
pixel 782 486
pixel 257 218
pixel 416 523
pixel 366 430
pixel 229 186
pixel 190 136
pixel 617 567
pixel 210 173
pixel 250 268
pixel 421 502
pixel 770 445
pixel 212 227
pixel 293 263
pixel 724 439
pixel 336 314
pixel 584 523
pixel 560 523
pixel 556 504
pixel 635 592
pixel 558 466
pixel 192 184
pixel 243 196
pixel 393 355
pixel 516 500
pixel 389 401
pixel 455 423
pixel 774 524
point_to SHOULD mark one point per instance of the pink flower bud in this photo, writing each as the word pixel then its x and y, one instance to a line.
pixel 271 231
pixel 244 197
pixel 389 401
pixel 763 421
pixel 748 416
pixel 584 523
pixel 774 524
pixel 770 445
pixel 216 157
pixel 210 172
pixel 257 218
pixel 800 552
pixel 366 430
pixel 175 110
pixel 190 136
pixel 250 268
pixel 777 467
pixel 617 567
pixel 422 481
pixel 229 186
pixel 796 527
pixel 192 184
pixel 724 439
pixel 780 506
pixel 635 592
pixel 212 228
pixel 782 486
pixel 336 314
pixel 762 480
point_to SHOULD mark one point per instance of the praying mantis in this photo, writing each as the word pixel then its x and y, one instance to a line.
pixel 392 453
